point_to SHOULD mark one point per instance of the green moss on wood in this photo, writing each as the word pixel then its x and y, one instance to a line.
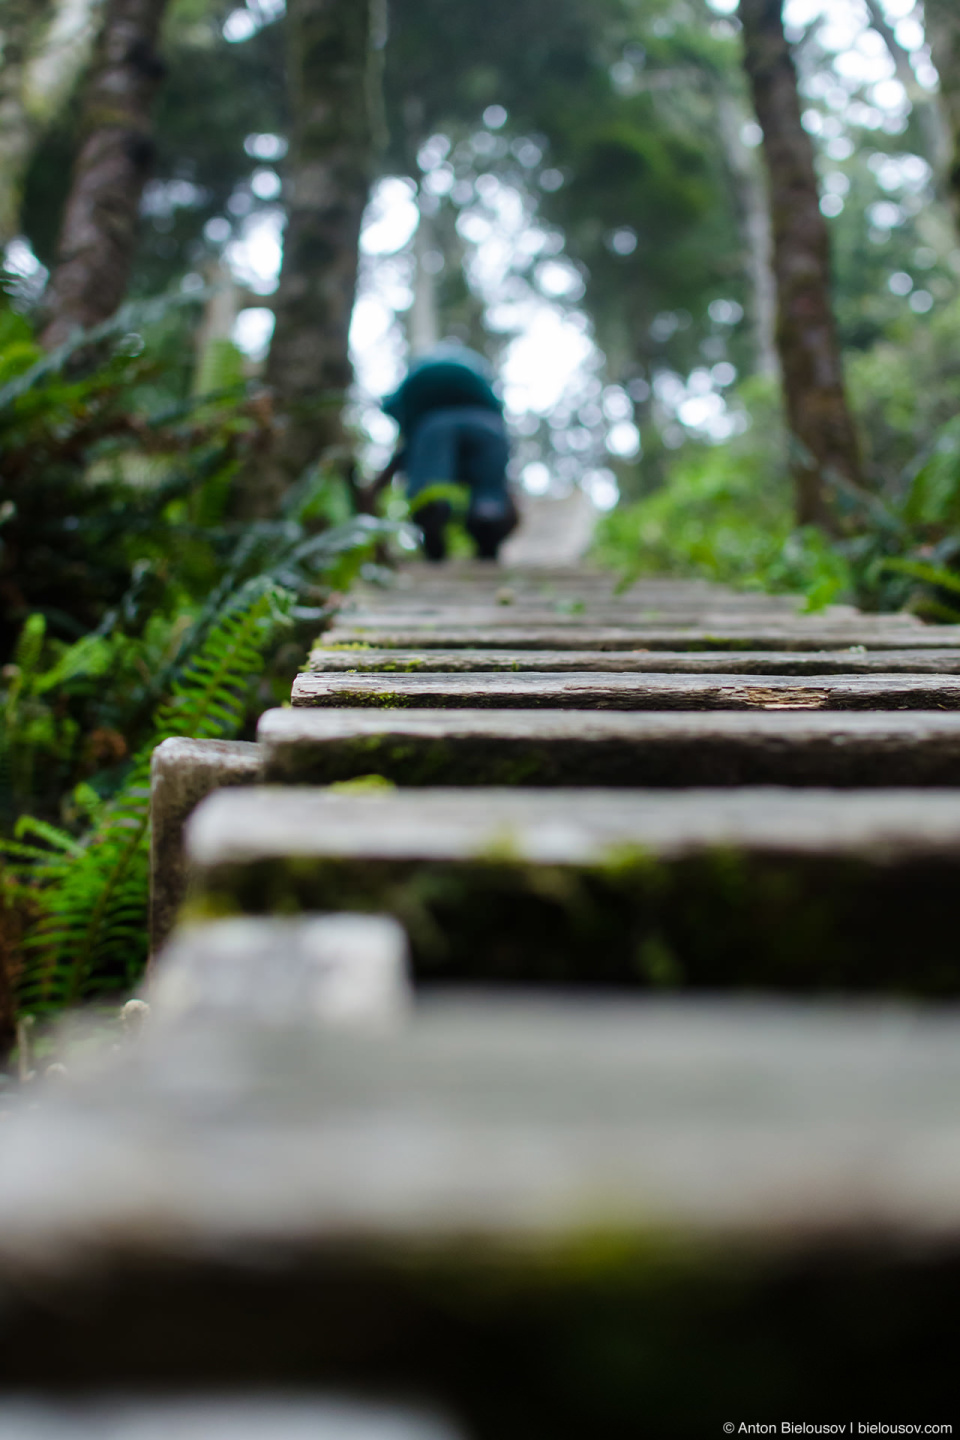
pixel 717 920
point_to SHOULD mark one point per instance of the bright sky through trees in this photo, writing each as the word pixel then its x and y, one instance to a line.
pixel 551 368
pixel 529 291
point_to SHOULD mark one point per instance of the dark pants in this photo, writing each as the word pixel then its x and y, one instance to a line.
pixel 464 445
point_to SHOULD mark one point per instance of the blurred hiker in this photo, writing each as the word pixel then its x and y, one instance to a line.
pixel 452 431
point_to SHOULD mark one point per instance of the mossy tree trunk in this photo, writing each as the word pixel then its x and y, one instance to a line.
pixel 18 19
pixel 753 209
pixel 98 235
pixel 326 183
pixel 44 47
pixel 824 440
pixel 942 19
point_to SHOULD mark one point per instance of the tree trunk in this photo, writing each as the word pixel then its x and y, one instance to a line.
pixel 17 23
pixel 100 223
pixel 753 207
pixel 818 417
pixel 424 321
pixel 42 54
pixel 326 183
pixel 942 19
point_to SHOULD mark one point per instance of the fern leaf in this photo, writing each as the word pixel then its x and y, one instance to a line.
pixel 92 933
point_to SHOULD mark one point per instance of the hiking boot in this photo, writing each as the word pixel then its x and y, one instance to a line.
pixel 432 519
pixel 489 522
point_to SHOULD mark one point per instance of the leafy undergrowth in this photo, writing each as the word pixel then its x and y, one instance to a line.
pixel 134 606
pixel 726 513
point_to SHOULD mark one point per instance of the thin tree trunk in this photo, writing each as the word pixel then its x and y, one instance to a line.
pixel 753 206
pixel 942 18
pixel 327 182
pixel 18 20
pixel 100 224
pixel 818 416
pixel 424 322
pixel 43 52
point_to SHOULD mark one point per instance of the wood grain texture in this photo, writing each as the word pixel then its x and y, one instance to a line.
pixel 800 636
pixel 327 660
pixel 557 747
pixel 585 691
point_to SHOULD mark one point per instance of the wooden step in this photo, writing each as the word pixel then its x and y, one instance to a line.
pixel 242 1415
pixel 182 772
pixel 774 888
pixel 590 691
pixel 329 659
pixel 715 1194
pixel 482 616
pixel 416 581
pixel 572 636
pixel 645 597
pixel 328 969
pixel 560 747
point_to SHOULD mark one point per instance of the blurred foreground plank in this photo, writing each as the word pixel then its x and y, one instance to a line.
pixel 732 1198
pixel 251 1416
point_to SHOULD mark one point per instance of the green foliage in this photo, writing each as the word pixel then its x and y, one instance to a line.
pixel 92 896
pixel 726 523
pixel 192 622
pixel 726 513
pixel 905 390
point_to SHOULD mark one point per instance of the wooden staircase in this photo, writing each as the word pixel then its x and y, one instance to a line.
pixel 557 1038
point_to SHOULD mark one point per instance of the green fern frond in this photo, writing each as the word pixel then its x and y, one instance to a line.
pixel 26 655
pixel 92 933
pixel 56 838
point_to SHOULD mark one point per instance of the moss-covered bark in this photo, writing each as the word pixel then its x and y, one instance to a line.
pixel 326 183
pixel 819 419
pixel 100 223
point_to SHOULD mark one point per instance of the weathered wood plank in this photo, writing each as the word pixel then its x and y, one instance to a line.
pixel 242 1416
pixel 787 636
pixel 489 617
pixel 772 888
pixel 553 827
pixel 182 772
pixel 585 691
pixel 587 1098
pixel 596 588
pixel 326 659
pixel 497 1185
pixel 483 610
pixel 330 969
pixel 556 747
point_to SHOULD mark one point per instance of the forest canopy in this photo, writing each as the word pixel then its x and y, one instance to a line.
pixel 582 196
